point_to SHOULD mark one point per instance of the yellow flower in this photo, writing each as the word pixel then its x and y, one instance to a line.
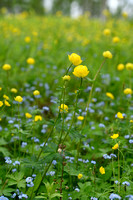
pixel 106 31
pixel 120 67
pixel 119 115
pixel 114 136
pixel 81 71
pixel 0 119
pixel 129 66
pixel 107 54
pixel 63 107
pixel 28 115
pixel 80 118
pixel 30 61
pixel 110 95
pixel 116 146
pixel 0 88
pixel 38 118
pixel 116 39
pixel 18 99
pixel 75 59
pixel 36 92
pixel 1 103
pixel 27 39
pixel 5 97
pixel 102 170
pixel 14 90
pixel 6 67
pixel 80 176
pixel 124 14
pixel 7 103
pixel 128 91
pixel 66 78
pixel 131 121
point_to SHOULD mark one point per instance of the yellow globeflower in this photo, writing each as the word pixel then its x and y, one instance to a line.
pixel 5 97
pixel 102 170
pixel 38 118
pixel 114 136
pixel 120 67
pixel 36 92
pixel 27 39
pixel 116 39
pixel 1 103
pixel 128 91
pixel 7 103
pixel 66 78
pixel 80 176
pixel 18 99
pixel 106 31
pixel 75 59
pixel 0 88
pixel 63 107
pixel 81 71
pixel 124 14
pixel 30 61
pixel 129 66
pixel 116 146
pixel 119 115
pixel 80 118
pixel 110 95
pixel 107 54
pixel 131 120
pixel 6 67
pixel 14 90
pixel 28 115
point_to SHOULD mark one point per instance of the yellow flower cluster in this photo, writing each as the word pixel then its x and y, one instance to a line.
pixel 63 107
pixel 6 67
pixel 81 71
pixel 116 146
pixel 102 170
pixel 107 54
pixel 128 91
pixel 110 95
pixel 18 99
pixel 75 59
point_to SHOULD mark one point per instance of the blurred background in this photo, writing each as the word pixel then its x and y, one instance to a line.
pixel 73 8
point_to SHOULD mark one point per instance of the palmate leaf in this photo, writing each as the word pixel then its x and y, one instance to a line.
pixel 75 134
pixel 4 151
pixel 7 191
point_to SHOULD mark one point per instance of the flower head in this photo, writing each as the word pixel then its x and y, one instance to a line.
pixel 114 136
pixel 120 67
pixel 1 103
pixel 129 66
pixel 27 39
pixel 107 54
pixel 14 90
pixel 110 95
pixel 80 176
pixel 5 97
pixel 7 103
pixel 30 61
pixel 80 118
pixel 36 92
pixel 102 170
pixel 106 31
pixel 18 99
pixel 116 39
pixel 75 59
pixel 81 71
pixel 63 107
pixel 38 118
pixel 66 78
pixel 119 115
pixel 128 91
pixel 125 14
pixel 28 115
pixel 116 146
pixel 6 67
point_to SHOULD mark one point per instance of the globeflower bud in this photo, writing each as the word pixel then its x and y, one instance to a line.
pixel 75 59
pixel 6 67
pixel 107 54
pixel 66 78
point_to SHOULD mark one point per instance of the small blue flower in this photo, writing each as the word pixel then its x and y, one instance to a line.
pixel 131 141
pixel 94 198
pixel 114 196
pixel 126 183
pixel 3 198
pixel 93 162
pixel 130 197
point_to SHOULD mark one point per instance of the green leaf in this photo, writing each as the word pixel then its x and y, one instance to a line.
pixel 55 195
pixel 21 184
pixel 4 151
pixel 12 182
